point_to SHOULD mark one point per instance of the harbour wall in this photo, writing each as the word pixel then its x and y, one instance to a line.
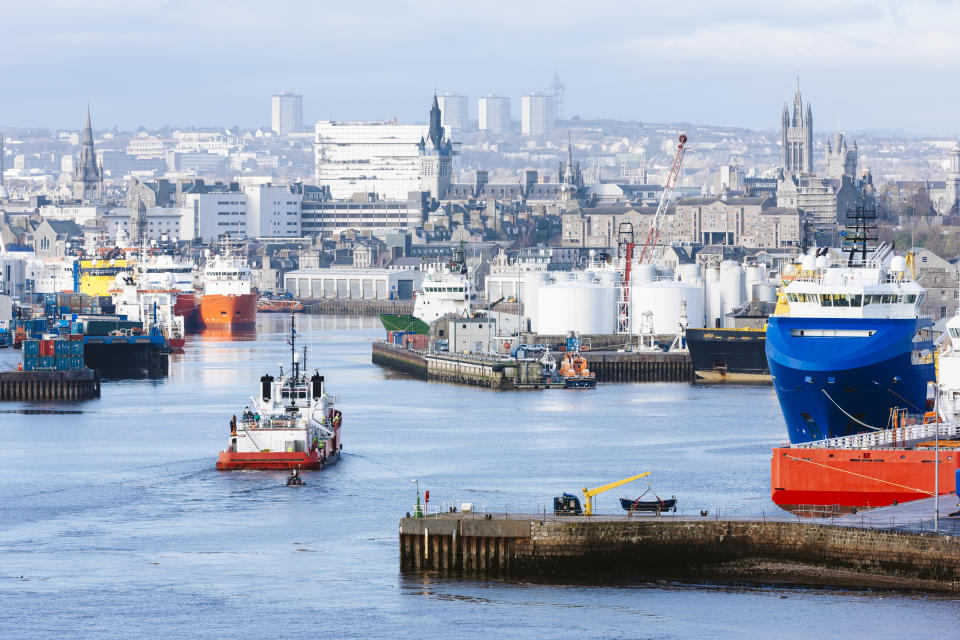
pixel 49 385
pixel 346 307
pixel 675 548
pixel 609 366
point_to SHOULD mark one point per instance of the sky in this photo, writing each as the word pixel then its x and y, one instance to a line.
pixel 869 65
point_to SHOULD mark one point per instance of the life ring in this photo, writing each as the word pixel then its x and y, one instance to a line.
pixel 506 344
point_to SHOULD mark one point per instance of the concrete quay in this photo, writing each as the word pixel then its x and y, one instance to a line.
pixel 772 550
pixel 508 373
pixel 49 385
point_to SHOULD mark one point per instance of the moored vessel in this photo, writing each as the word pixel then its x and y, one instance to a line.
pixel 291 423
pixel 728 355
pixel 227 299
pixel 849 351
pixel 446 289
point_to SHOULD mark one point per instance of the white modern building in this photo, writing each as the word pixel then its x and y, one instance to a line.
pixel 161 221
pixel 353 284
pixel 493 114
pixel 381 158
pixel 208 216
pixel 272 212
pixel 454 112
pixel 286 113
pixel 538 114
pixel 322 216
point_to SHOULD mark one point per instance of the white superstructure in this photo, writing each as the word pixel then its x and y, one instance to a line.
pixel 292 413
pixel 444 291
pixel 877 290
pixel 948 373
pixel 165 271
pixel 225 276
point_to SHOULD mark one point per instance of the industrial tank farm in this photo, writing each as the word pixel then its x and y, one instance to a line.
pixel 665 298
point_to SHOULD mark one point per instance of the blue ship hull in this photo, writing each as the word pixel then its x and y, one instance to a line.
pixel 837 386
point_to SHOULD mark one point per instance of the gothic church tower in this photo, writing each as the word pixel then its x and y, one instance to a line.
pixel 436 157
pixel 796 137
pixel 87 173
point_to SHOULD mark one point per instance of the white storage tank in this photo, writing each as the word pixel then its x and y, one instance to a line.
pixel 713 298
pixel 585 307
pixel 665 299
pixel 752 275
pixel 687 272
pixel 765 291
pixel 532 282
pixel 642 273
pixel 731 282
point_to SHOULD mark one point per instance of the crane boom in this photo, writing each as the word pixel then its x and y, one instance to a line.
pixel 654 234
pixel 589 493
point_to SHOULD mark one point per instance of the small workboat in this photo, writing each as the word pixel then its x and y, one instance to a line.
pixel 649 506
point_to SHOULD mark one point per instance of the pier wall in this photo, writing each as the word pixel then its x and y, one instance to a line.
pixel 674 548
pixel 49 385
pixel 407 361
pixel 345 307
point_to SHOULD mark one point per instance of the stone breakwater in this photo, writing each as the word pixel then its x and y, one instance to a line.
pixel 679 548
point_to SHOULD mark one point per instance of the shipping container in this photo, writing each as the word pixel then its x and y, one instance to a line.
pixel 46 362
pixel 61 363
pixel 46 348
pixel 76 362
pixel 31 347
pixel 61 348
pixel 76 347
pixel 30 363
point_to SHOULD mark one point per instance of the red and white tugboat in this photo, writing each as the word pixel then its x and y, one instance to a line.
pixel 291 423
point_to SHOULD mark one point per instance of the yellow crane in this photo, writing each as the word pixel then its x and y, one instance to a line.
pixel 589 493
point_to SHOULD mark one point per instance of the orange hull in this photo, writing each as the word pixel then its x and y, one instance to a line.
pixel 857 477
pixel 228 310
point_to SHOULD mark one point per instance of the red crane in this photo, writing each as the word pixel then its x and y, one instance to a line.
pixel 654 234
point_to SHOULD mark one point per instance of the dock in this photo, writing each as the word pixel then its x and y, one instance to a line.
pixel 768 550
pixel 49 385
pixel 501 372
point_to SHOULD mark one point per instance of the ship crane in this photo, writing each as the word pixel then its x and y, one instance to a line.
pixel 654 234
pixel 589 493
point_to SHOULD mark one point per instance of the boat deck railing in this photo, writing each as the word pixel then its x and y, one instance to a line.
pixel 887 438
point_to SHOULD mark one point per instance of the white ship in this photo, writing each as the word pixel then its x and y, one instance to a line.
pixel 291 423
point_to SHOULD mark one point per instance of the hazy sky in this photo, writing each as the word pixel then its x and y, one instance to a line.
pixel 872 64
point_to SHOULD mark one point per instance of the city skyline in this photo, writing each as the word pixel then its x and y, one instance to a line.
pixel 726 66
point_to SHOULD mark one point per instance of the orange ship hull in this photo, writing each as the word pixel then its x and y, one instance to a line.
pixel 857 477
pixel 228 310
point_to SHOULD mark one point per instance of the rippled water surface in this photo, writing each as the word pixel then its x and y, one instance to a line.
pixel 114 523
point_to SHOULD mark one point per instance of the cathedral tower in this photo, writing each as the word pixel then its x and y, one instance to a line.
pixel 87 173
pixel 796 137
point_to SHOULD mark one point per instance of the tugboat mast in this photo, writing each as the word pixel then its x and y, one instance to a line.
pixel 293 346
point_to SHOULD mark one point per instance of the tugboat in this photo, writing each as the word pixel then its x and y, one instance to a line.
pixel 574 369
pixel 291 423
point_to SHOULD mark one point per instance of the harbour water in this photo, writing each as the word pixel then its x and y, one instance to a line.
pixel 114 523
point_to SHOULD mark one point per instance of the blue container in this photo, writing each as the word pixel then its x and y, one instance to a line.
pixel 64 310
pixel 62 363
pixel 31 347
pixel 61 348
pixel 76 348
pixel 76 362
pixel 30 363
pixel 39 325
pixel 47 362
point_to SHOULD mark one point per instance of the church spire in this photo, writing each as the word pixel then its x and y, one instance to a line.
pixel 436 131
pixel 88 130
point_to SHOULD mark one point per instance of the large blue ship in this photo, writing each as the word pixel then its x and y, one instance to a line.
pixel 848 348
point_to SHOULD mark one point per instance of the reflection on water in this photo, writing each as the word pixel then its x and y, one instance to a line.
pixel 134 530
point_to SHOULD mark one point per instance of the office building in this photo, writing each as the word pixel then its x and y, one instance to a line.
pixel 493 114
pixel 273 212
pixel 286 115
pixel 538 114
